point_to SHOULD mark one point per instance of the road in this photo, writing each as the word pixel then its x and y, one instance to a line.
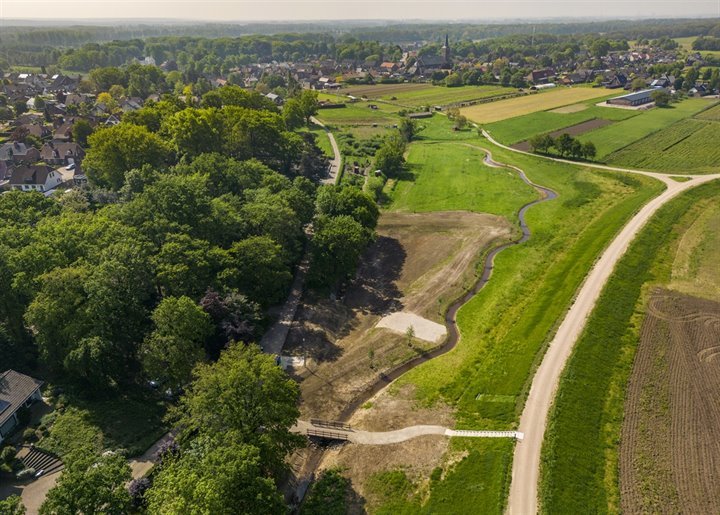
pixel 336 160
pixel 523 497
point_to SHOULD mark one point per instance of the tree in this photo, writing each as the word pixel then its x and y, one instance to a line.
pixel 20 107
pixel 460 122
pixel 116 150
pixel 248 397
pixel 293 114
pixel 542 143
pixel 184 265
pixel 12 506
pixel 408 128
pixel 638 83
pixel 390 156
pixel 309 102
pixel 453 80
pixel 563 144
pixel 348 200
pixel 336 248
pixel 215 475
pixel 660 97
pixel 39 103
pixel 257 267
pixel 177 343
pixel 194 131
pixel 81 131
pixel 90 485
pixel 588 150
pixel 234 316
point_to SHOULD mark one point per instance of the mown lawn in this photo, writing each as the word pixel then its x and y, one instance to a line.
pixel 579 471
pixel 613 137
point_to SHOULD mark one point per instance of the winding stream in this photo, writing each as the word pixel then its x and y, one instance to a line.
pixel 453 333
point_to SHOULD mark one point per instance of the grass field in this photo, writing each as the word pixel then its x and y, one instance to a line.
pixel 712 114
pixel 613 137
pixel 686 44
pixel 357 114
pixel 415 95
pixel 689 145
pixel 449 176
pixel 550 99
pixel 521 128
pixel 580 452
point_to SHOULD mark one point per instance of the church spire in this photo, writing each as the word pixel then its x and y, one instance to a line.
pixel 446 50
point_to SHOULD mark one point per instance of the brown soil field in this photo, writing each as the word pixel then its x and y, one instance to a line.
pixel 670 444
pixel 573 130
pixel 419 263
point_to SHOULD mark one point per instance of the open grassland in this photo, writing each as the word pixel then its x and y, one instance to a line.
pixel 686 44
pixel 580 460
pixel 357 114
pixel 525 127
pixel 612 138
pixel 415 95
pixel 450 175
pixel 504 328
pixel 550 99
pixel 687 146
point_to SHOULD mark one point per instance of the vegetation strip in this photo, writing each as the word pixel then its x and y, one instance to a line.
pixel 584 426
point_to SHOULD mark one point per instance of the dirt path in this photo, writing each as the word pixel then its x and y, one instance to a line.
pixel 401 435
pixel 336 160
pixel 526 461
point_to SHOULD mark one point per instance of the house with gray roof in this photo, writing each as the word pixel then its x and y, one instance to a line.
pixel 16 391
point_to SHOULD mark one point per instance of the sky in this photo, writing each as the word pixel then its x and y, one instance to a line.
pixel 396 10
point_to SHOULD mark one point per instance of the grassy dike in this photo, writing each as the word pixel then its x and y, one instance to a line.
pixel 579 470
pixel 506 326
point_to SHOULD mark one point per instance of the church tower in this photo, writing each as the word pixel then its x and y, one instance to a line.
pixel 446 52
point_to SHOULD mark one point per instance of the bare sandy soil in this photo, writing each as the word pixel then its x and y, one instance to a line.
pixel 670 447
pixel 419 263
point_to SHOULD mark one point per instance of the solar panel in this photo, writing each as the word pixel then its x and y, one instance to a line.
pixel 4 405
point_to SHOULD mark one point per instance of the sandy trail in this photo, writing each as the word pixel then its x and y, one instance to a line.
pixel 523 497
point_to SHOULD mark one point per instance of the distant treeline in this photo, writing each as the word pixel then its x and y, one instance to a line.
pixel 43 46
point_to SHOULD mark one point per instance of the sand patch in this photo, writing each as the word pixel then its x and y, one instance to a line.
pixel 423 328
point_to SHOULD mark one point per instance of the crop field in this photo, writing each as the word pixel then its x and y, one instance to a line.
pixel 522 128
pixel 573 130
pixel 543 101
pixel 581 453
pixel 621 134
pixel 712 114
pixel 688 146
pixel 670 443
pixel 357 114
pixel 414 95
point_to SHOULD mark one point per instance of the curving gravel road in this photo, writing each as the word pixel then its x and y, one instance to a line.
pixel 523 497
pixel 336 160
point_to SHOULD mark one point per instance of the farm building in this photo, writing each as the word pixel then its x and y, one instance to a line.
pixel 538 87
pixel 633 99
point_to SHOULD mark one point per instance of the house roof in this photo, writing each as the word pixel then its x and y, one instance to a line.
pixel 15 390
pixel 34 174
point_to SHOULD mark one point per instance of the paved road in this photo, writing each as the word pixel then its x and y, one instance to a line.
pixel 402 435
pixel 523 495
pixel 335 161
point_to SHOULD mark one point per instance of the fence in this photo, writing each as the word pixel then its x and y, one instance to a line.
pixel 330 423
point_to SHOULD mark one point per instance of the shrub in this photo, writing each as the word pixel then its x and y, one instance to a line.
pixel 29 435
pixel 7 454
pixel 137 490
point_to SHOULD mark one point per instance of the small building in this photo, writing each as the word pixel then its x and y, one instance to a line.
pixel 16 391
pixel 35 178
pixel 633 99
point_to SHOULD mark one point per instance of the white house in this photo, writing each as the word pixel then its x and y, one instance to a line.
pixel 35 178
pixel 16 391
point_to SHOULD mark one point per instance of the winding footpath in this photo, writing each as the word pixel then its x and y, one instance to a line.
pixel 523 497
pixel 336 160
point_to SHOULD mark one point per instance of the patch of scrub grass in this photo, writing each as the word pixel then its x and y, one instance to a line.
pixel 579 472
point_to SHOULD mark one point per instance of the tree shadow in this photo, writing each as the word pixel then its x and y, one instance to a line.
pixel 374 289
pixel 311 342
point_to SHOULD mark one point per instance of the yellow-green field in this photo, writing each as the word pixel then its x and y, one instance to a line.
pixel 510 108
pixel 686 44
pixel 415 94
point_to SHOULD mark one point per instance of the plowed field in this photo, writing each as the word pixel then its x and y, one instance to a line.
pixel 670 447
